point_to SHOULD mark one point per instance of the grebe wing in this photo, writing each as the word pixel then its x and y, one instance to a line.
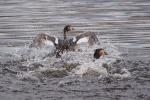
pixel 44 40
pixel 88 37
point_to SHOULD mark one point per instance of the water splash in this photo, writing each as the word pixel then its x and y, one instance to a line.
pixel 43 63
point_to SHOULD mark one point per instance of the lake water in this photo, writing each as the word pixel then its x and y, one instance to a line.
pixel 121 25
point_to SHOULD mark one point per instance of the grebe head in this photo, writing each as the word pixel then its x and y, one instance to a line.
pixel 68 28
pixel 99 52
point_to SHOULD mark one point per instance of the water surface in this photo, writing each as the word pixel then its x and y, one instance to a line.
pixel 124 24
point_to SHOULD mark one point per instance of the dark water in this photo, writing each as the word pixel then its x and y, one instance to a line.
pixel 125 24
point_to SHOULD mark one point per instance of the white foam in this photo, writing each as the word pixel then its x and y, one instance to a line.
pixel 84 68
pixel 126 74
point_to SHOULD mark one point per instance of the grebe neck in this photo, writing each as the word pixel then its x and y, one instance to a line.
pixel 65 34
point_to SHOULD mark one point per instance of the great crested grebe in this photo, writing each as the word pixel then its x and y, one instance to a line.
pixel 43 40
